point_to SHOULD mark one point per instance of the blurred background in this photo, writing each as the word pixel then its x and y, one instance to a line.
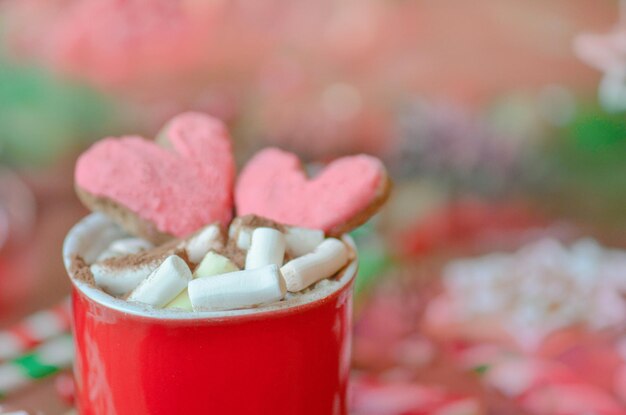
pixel 492 282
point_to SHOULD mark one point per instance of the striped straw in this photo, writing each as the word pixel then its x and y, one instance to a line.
pixel 34 329
pixel 48 358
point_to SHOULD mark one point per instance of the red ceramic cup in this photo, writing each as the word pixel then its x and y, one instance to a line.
pixel 289 358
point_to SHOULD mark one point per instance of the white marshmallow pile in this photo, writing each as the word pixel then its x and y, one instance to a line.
pixel 207 280
pixel 543 287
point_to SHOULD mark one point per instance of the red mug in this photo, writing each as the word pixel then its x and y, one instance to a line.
pixel 290 358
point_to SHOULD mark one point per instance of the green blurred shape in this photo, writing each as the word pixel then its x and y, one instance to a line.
pixel 363 232
pixel 481 369
pixel 593 130
pixel 592 147
pixel 43 117
pixel 372 265
pixel 586 174
pixel 374 261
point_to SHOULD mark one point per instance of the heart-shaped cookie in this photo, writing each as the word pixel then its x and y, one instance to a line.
pixel 162 190
pixel 344 195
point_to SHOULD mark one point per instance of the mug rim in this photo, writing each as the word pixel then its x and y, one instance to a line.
pixel 80 240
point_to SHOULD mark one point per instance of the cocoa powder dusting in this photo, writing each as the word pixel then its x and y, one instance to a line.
pixel 157 254
pixel 253 221
pixel 232 252
pixel 80 270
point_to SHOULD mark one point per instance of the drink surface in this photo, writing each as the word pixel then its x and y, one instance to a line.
pixel 90 237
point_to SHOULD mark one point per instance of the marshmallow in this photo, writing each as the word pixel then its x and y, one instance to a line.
pixel 181 302
pixel 234 228
pixel 125 246
pixel 240 232
pixel 323 262
pixel 301 241
pixel 267 247
pixel 237 289
pixel 244 238
pixel 209 238
pixel 164 283
pixel 212 264
pixel 119 280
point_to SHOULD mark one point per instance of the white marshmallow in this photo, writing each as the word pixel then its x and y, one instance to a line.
pixel 119 281
pixel 214 264
pixel 164 283
pixel 237 289
pixel 209 238
pixel 240 233
pixel 323 262
pixel 301 241
pixel 125 246
pixel 244 238
pixel 267 247
pixel 233 228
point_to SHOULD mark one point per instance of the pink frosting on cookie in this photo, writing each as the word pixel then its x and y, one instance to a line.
pixel 274 185
pixel 179 188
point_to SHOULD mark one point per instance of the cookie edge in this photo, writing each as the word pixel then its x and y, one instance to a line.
pixel 130 221
pixel 382 195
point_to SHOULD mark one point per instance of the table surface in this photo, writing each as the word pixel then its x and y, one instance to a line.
pixel 40 398
pixel 58 209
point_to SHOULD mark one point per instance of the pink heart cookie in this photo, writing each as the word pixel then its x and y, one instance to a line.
pixel 159 191
pixel 344 195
